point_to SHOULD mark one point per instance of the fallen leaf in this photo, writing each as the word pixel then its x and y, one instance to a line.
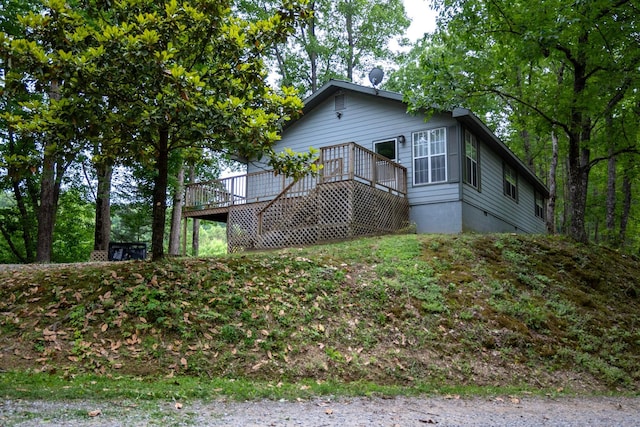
pixel 104 327
pixel 178 405
pixel 329 411
pixel 94 413
pixel 257 365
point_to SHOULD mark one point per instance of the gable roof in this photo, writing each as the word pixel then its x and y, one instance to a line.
pixel 333 86
pixel 463 115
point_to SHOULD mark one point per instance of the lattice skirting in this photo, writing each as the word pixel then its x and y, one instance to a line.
pixel 333 211
pixel 99 256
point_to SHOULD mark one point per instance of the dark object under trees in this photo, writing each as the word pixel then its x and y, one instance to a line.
pixel 127 251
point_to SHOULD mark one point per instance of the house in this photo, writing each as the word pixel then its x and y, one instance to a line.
pixel 383 169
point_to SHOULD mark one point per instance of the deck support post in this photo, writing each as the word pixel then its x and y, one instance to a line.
pixel 184 236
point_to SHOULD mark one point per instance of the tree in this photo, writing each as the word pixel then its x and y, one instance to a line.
pixel 55 119
pixel 340 39
pixel 175 74
pixel 580 60
pixel 17 152
pixel 193 76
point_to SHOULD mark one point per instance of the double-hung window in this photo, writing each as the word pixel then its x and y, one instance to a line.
pixel 540 205
pixel 471 159
pixel 510 180
pixel 430 156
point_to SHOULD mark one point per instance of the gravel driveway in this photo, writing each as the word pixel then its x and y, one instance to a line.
pixel 505 411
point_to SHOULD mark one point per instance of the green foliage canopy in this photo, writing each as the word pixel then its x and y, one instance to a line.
pixel 549 65
pixel 156 76
pixel 339 39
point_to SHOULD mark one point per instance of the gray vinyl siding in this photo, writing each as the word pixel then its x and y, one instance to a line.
pixel 489 209
pixel 447 207
pixel 363 121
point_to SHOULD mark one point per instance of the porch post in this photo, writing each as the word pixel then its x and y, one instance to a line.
pixel 352 160
pixel 184 236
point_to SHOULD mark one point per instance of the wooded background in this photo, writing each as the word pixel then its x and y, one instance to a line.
pixel 110 107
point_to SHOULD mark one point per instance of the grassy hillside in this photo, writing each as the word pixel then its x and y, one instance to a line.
pixel 485 310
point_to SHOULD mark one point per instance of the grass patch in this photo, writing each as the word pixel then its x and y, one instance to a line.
pixel 39 386
pixel 410 313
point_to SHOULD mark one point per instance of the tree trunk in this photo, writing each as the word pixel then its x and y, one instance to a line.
pixel 49 195
pixel 9 240
pixel 176 214
pixel 350 43
pixel 102 230
pixel 160 196
pixel 579 135
pixel 26 219
pixel 195 236
pixel 626 206
pixel 526 144
pixel 577 196
pixel 26 222
pixel 311 50
pixel 610 219
pixel 553 167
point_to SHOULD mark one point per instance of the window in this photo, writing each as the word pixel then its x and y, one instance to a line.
pixel 386 148
pixel 510 181
pixel 540 205
pixel 471 159
pixel 429 156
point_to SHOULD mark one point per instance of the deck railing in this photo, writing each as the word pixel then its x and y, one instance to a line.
pixel 347 161
pixel 352 161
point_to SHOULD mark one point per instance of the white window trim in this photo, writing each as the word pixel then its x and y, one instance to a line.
pixel 429 156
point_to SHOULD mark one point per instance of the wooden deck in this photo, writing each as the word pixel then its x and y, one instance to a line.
pixel 356 193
